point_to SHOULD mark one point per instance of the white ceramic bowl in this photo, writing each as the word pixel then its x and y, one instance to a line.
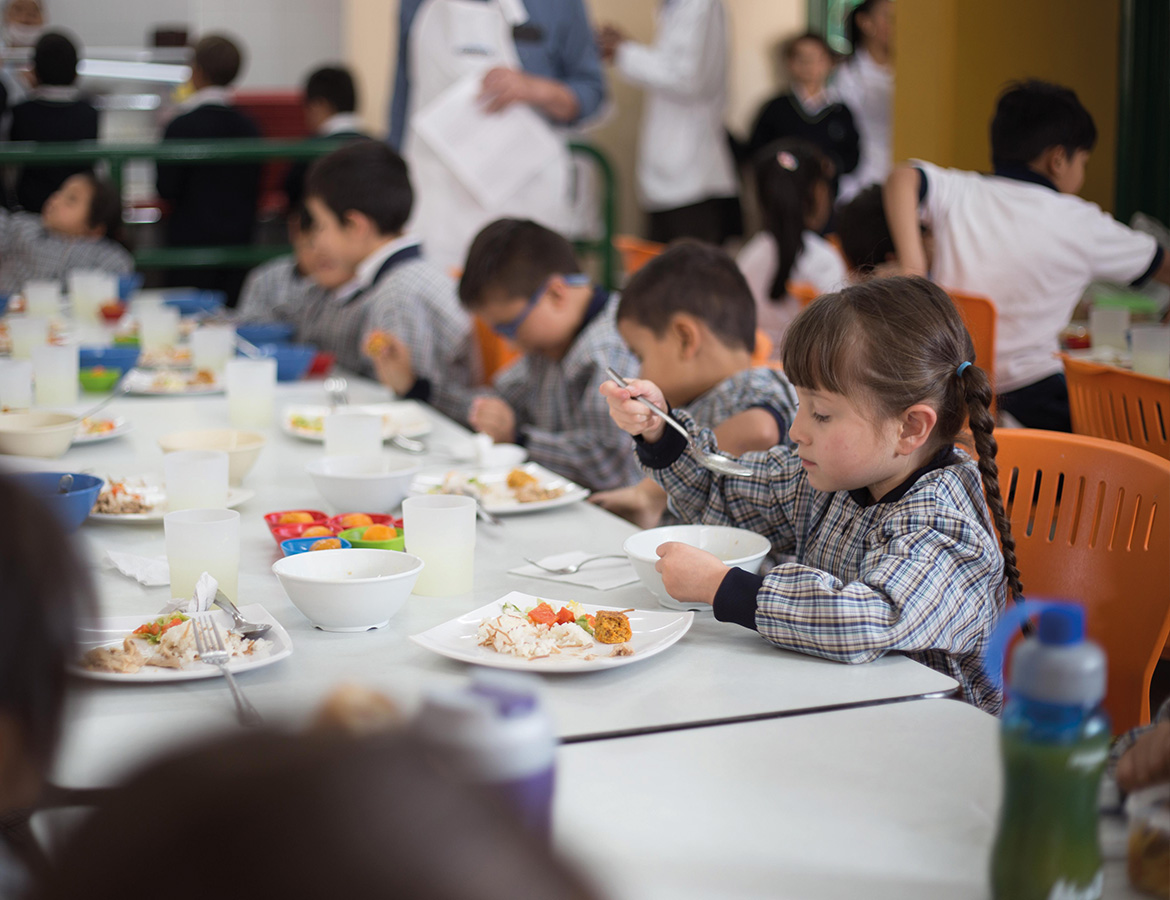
pixel 242 447
pixel 46 434
pixel 374 484
pixel 734 546
pixel 348 590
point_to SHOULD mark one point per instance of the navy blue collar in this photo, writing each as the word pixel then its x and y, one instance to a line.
pixel 945 457
pixel 596 305
pixel 1019 172
pixel 394 259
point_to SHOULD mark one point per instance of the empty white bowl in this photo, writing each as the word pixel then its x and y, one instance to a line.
pixel 242 447
pixel 734 546
pixel 370 483
pixel 46 434
pixel 348 590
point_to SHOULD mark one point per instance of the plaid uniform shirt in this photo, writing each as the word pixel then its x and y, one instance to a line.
pixel 276 292
pixel 417 303
pixel 29 251
pixel 921 573
pixel 561 416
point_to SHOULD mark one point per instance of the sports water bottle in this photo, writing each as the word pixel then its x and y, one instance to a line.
pixel 1054 745
pixel 496 734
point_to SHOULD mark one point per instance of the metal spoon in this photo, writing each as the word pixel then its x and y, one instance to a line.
pixel 246 629
pixel 713 461
pixel 249 349
pixel 65 485
pixel 402 442
pixel 119 390
pixel 575 567
pixel 337 390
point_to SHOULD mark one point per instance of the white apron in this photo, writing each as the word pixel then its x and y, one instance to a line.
pixel 449 40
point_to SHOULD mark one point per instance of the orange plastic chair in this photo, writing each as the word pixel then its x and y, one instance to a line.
pixel 980 317
pixel 804 293
pixel 1091 519
pixel 1118 405
pixel 495 353
pixel 635 251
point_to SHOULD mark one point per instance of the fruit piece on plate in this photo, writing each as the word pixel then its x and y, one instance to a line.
pixel 327 544
pixel 292 518
pixel 317 531
pixel 379 533
pixel 356 520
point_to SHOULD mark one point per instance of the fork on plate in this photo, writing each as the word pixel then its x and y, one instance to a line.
pixel 209 643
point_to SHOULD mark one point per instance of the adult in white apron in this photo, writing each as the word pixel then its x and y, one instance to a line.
pixel 446 42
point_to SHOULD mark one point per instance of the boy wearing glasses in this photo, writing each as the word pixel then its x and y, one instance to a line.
pixel 524 281
pixel 399 310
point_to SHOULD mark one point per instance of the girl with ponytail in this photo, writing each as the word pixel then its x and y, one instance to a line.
pixel 794 188
pixel 895 546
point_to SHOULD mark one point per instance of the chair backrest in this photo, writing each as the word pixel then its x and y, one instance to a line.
pixel 495 353
pixel 279 114
pixel 635 251
pixel 1091 519
pixel 980 316
pixel 1117 405
pixel 804 293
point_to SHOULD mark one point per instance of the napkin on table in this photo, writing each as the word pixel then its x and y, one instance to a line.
pixel 205 589
pixel 147 570
pixel 603 575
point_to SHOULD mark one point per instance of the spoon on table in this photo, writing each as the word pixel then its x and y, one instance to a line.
pixel 713 461
pixel 119 390
pixel 246 629
pixel 65 485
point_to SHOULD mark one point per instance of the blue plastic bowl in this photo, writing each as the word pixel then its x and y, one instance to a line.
pixel 129 284
pixel 121 357
pixel 4 303
pixel 292 360
pixel 190 302
pixel 293 546
pixel 72 508
pixel 266 332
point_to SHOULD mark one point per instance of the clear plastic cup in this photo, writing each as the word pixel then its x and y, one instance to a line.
pixel 353 434
pixel 1151 350
pixel 203 540
pixel 1109 327
pixel 196 479
pixel 27 332
pixel 55 374
pixel 42 298
pixel 88 291
pixel 212 346
pixel 158 328
pixel 251 392
pixel 15 385
pixel 440 530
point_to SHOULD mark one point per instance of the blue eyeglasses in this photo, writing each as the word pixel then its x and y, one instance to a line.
pixel 508 329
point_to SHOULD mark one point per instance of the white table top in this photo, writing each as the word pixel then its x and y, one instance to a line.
pixel 894 801
pixel 718 672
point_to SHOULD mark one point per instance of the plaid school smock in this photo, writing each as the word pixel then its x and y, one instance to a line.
pixel 29 251
pixel 276 291
pixel 561 416
pixel 919 571
pixel 760 387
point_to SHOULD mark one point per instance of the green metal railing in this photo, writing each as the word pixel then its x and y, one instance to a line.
pixel 238 150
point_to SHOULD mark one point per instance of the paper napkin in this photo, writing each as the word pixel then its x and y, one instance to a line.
pixel 148 570
pixel 603 575
pixel 205 589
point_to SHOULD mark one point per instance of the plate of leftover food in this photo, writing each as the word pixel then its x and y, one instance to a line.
pixel 144 499
pixel 521 631
pixel 146 649
pixel 503 491
pixel 92 430
pixel 403 417
pixel 164 382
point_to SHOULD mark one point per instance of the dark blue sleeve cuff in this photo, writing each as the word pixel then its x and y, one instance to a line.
pixel 1155 265
pixel 735 601
pixel 921 184
pixel 663 453
pixel 420 391
pixel 781 422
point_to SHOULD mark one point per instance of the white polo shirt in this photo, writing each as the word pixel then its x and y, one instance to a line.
pixel 1032 251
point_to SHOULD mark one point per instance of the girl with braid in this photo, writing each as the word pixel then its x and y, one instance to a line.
pixel 895 545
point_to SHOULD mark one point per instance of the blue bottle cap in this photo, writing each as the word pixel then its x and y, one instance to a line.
pixel 1060 625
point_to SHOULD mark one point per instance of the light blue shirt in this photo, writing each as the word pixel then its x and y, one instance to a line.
pixel 562 47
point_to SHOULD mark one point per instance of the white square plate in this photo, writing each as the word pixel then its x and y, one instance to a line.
pixel 653 632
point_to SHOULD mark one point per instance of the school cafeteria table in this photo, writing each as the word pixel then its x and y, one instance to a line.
pixel 717 673
pixel 896 801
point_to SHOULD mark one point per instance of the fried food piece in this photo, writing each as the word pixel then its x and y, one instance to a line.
pixel 376 344
pixel 518 478
pixel 611 627
pixel 125 660
pixel 203 376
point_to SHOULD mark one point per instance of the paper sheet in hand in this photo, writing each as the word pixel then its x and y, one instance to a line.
pixel 492 154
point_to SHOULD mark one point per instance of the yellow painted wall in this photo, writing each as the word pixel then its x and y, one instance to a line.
pixel 954 57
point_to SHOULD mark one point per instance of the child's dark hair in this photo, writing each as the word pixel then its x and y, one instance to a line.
pixel 44 587
pixel 853 32
pixel 864 231
pixel 105 207
pixel 515 257
pixel 55 59
pixel 219 58
pixel 787 174
pixel 900 341
pixel 1032 116
pixel 788 48
pixel 332 85
pixel 697 279
pixel 365 176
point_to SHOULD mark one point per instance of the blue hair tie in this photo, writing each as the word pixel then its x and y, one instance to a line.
pixel 963 366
